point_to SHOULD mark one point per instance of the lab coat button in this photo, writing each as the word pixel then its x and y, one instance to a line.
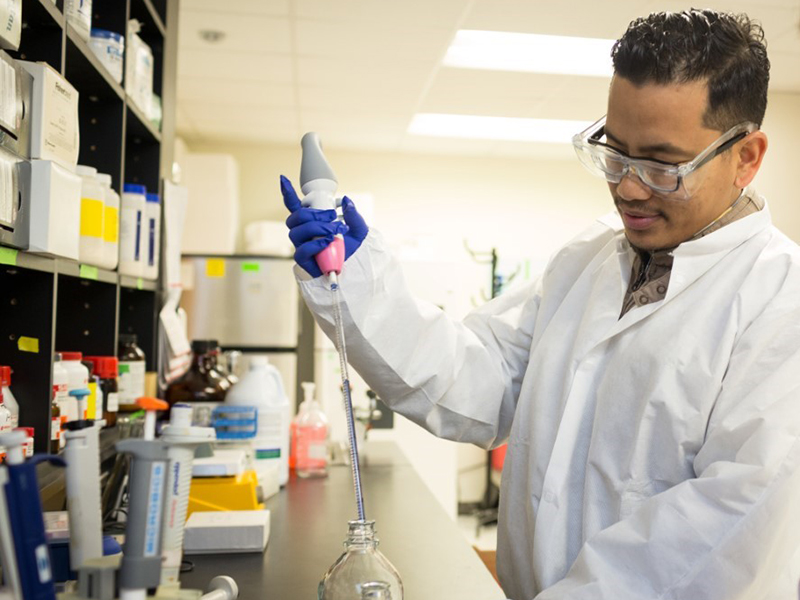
pixel 644 299
pixel 661 289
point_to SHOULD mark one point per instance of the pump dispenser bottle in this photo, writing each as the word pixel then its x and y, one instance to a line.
pixel 310 436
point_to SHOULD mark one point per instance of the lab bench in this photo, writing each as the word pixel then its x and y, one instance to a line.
pixel 308 525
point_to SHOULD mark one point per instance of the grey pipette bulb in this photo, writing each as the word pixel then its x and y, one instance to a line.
pixel 314 164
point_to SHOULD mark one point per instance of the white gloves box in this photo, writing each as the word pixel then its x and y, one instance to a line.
pixel 226 532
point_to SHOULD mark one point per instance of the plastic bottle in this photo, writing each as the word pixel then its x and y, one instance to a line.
pixel 94 401
pixel 5 419
pixel 106 368
pixel 202 386
pixel 131 230
pixel 110 223
pixel 8 398
pixel 310 436
pixel 90 250
pixel 78 379
pixel 262 388
pixel 152 236
pixel 58 415
pixel 79 15
pixel 109 47
pixel 360 564
pixel 131 369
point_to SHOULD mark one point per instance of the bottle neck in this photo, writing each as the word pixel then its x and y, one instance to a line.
pixel 361 534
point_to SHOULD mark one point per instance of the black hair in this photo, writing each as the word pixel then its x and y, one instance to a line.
pixel 726 50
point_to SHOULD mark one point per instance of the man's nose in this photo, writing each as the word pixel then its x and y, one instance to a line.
pixel 633 188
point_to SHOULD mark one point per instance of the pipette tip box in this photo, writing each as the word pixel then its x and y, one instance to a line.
pixel 226 532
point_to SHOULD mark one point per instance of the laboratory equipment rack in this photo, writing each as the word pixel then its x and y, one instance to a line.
pixel 51 304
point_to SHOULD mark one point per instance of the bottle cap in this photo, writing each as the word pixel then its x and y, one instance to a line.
pixel 5 376
pixel 153 198
pixel 105 367
pixel 104 34
pixel 128 338
pixel 86 171
pixel 71 356
pixel 258 360
pixel 104 179
pixel 204 346
pixel 134 188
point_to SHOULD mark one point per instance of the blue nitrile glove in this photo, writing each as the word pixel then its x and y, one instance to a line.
pixel 311 230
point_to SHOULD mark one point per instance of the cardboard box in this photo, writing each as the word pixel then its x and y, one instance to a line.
pixel 226 532
pixel 55 215
pixel 54 129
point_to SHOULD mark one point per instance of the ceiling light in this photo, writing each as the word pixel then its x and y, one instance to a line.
pixel 530 53
pixel 496 128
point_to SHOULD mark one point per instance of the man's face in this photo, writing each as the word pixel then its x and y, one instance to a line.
pixel 665 122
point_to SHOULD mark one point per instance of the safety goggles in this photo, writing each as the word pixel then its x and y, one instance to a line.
pixel 677 181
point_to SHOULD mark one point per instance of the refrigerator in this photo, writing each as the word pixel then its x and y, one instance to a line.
pixel 251 304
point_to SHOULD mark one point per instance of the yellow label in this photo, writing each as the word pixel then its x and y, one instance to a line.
pixel 215 267
pixel 92 217
pixel 91 404
pixel 111 225
pixel 27 344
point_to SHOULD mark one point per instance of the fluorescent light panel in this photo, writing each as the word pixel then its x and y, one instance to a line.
pixel 496 128
pixel 530 53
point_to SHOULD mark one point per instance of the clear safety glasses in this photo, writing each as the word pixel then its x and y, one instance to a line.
pixel 677 181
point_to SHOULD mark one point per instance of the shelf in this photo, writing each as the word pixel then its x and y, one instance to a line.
pixel 71 268
pixel 42 12
pixel 18 258
pixel 137 283
pixel 86 73
pixel 145 12
pixel 139 126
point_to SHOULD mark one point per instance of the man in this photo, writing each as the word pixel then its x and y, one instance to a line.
pixel 648 383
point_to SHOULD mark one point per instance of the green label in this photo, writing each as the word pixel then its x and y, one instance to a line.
pixel 124 369
pixel 251 266
pixel 8 256
pixel 268 453
pixel 139 283
pixel 89 272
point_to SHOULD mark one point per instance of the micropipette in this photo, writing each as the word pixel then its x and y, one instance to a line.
pixel 318 184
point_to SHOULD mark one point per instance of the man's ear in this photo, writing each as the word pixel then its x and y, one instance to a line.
pixel 750 154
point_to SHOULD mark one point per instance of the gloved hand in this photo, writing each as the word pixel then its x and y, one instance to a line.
pixel 306 224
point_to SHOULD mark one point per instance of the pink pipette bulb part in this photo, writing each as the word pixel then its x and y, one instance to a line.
pixel 331 260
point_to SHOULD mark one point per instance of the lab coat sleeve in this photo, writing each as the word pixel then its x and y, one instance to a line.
pixel 732 532
pixel 458 380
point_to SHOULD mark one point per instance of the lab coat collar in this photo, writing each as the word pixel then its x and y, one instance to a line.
pixel 692 259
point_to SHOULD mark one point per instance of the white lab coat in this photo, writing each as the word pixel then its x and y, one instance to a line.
pixel 653 456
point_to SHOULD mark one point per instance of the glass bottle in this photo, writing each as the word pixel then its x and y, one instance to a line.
pixel 376 590
pixel 362 565
pixel 202 386
pixel 223 367
pixel 131 370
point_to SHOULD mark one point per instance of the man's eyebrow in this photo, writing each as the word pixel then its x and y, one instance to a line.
pixel 663 148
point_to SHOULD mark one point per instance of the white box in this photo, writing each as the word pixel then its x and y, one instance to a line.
pixel 224 463
pixel 212 215
pixel 54 116
pixel 226 532
pixel 55 215
pixel 10 24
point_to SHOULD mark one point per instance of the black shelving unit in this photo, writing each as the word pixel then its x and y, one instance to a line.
pixel 53 304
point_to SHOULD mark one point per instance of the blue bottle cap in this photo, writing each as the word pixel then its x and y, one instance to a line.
pixel 134 188
pixel 153 198
pixel 106 35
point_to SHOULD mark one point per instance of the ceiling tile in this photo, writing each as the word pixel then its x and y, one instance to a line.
pixel 235 92
pixel 363 96
pixel 230 7
pixel 413 13
pixel 336 39
pixel 235 65
pixel 243 33
pixel 364 70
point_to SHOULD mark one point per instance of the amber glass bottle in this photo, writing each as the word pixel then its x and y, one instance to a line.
pixel 202 386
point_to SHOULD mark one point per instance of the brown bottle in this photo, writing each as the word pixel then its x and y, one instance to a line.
pixel 202 385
